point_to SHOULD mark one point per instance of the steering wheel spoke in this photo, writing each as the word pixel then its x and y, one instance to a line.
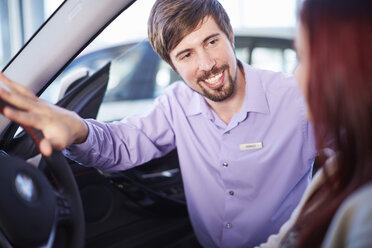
pixel 64 211
pixel 33 201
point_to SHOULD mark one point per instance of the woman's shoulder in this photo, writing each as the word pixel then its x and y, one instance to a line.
pixel 359 202
pixel 362 194
pixel 352 224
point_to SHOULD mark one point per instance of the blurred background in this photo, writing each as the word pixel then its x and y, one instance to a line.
pixel 19 19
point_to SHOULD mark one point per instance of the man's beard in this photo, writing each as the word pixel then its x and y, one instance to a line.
pixel 222 93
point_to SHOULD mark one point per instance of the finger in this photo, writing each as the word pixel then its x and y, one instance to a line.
pixel 16 87
pixel 4 78
pixel 45 147
pixel 17 100
pixel 23 118
pixel 26 120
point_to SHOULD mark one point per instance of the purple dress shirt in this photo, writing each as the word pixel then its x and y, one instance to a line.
pixel 241 180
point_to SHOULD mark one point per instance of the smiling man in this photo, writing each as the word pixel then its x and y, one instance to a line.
pixel 205 59
pixel 195 58
pixel 244 144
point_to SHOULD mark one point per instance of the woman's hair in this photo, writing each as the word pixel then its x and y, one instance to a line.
pixel 171 20
pixel 339 97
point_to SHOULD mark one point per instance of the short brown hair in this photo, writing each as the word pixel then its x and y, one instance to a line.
pixel 171 20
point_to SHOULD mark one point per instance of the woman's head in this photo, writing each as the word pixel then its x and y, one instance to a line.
pixel 336 68
pixel 335 73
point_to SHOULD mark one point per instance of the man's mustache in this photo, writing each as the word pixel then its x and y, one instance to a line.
pixel 214 71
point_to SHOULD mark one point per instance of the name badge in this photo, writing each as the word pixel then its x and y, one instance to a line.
pixel 250 146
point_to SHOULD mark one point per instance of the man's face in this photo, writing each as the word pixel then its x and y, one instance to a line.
pixel 205 59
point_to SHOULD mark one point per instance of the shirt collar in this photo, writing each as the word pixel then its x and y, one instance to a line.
pixel 254 100
pixel 198 105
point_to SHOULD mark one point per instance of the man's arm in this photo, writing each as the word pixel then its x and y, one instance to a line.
pixel 60 127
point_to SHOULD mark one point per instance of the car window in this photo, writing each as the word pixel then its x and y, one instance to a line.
pixel 122 75
pixel 164 77
pixel 276 54
pixel 274 59
pixel 289 60
pixel 270 58
pixel 243 53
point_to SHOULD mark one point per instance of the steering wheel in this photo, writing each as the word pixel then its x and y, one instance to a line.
pixel 32 209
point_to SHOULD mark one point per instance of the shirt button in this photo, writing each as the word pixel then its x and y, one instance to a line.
pixel 225 164
pixel 228 225
pixel 231 192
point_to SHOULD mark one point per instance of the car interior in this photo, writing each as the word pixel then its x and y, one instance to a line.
pixel 80 206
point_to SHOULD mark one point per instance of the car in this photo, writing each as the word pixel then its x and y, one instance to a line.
pixel 54 202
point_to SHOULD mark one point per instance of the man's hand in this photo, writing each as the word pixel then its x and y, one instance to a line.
pixel 60 127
